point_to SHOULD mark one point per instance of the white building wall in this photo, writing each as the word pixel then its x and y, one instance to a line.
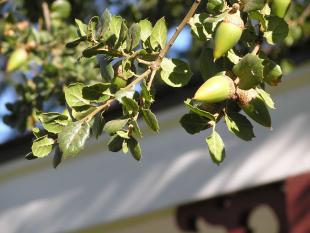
pixel 99 186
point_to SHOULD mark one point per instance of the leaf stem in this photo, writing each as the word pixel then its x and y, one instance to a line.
pixel 256 49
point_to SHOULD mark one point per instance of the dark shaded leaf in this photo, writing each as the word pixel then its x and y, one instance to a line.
pixel 150 119
pixel 57 157
pixel 194 123
pixel 113 126
pixel 239 125
pixel 134 148
pixel 175 72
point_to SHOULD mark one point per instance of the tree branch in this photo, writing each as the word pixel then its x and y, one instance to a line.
pixel 154 66
pixel 46 15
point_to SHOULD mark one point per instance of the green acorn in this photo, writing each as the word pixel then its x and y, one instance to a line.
pixel 17 59
pixel 254 106
pixel 272 73
pixel 280 7
pixel 61 9
pixel 227 34
pixel 216 89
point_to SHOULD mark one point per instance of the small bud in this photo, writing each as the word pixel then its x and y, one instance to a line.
pixel 216 89
pixel 17 59
pixel 227 34
pixel 280 7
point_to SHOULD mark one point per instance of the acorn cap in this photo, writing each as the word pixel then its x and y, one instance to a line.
pixel 234 19
pixel 216 89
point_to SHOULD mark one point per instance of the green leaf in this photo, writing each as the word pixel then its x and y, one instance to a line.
pixel 123 134
pixel 215 6
pixel 96 92
pixel 124 93
pixel 194 123
pixel 74 95
pixel 126 69
pixel 98 125
pixel 198 111
pixel 130 105
pixel 113 126
pixel 208 67
pixel 75 42
pixel 42 146
pixel 266 97
pixel 277 30
pixel 125 148
pixel 146 94
pixel 92 50
pixel 146 29
pixel 36 132
pixel 216 18
pixel 82 27
pixel 106 68
pixel 216 147
pixel 239 125
pixel 134 148
pixel 136 129
pixel 53 122
pixel 150 119
pixel 200 29
pixel 159 34
pixel 115 143
pixel 115 29
pixel 73 137
pixel 106 19
pixel 92 29
pixel 252 5
pixel 175 72
pixel 256 15
pixel 122 35
pixel 249 70
pixel 258 111
pixel 234 58
pixel 57 157
pixel 80 113
pixel 133 37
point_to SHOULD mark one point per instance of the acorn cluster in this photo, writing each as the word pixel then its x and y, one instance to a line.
pixel 228 85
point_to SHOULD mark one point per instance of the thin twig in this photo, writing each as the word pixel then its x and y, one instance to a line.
pixel 301 19
pixel 256 49
pixel 98 109
pixel 46 15
pixel 151 80
pixel 178 30
pixel 141 61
